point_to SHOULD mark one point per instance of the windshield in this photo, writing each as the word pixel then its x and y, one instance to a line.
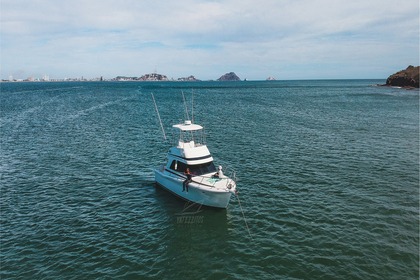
pixel 196 170
pixel 201 169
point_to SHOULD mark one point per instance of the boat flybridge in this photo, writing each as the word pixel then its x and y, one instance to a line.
pixel 190 172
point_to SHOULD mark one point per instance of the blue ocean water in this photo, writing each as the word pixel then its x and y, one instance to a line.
pixel 328 179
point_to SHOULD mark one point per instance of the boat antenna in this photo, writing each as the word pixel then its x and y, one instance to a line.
pixel 160 121
pixel 185 105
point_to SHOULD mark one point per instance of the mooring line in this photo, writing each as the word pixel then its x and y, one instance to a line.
pixel 243 215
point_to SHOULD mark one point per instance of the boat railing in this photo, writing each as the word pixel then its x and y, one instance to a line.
pixel 227 178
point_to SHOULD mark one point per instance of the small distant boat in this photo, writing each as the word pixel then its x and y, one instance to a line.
pixel 190 172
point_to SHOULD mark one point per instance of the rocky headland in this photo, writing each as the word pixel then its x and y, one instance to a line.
pixel 231 76
pixel 408 78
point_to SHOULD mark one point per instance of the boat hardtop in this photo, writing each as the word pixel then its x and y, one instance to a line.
pixel 190 146
pixel 188 126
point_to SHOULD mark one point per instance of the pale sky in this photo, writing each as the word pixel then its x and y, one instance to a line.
pixel 286 39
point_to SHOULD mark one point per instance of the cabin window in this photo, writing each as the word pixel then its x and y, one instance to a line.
pixel 178 166
pixel 197 169
pixel 204 168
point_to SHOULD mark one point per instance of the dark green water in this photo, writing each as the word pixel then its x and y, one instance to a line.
pixel 328 179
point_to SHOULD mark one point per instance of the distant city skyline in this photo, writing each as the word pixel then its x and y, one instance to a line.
pixel 303 39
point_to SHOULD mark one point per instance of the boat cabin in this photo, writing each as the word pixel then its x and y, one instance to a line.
pixel 190 151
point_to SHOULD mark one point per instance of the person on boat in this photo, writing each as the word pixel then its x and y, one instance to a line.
pixel 219 173
pixel 188 180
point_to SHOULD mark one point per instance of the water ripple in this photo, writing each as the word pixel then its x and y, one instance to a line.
pixel 328 181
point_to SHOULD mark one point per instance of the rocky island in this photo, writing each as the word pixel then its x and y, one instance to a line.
pixel 146 77
pixel 188 79
pixel 153 77
pixel 408 78
pixel 229 77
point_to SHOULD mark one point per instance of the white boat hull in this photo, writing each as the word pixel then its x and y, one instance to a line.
pixel 197 193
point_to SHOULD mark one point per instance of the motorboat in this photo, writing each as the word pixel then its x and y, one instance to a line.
pixel 190 172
